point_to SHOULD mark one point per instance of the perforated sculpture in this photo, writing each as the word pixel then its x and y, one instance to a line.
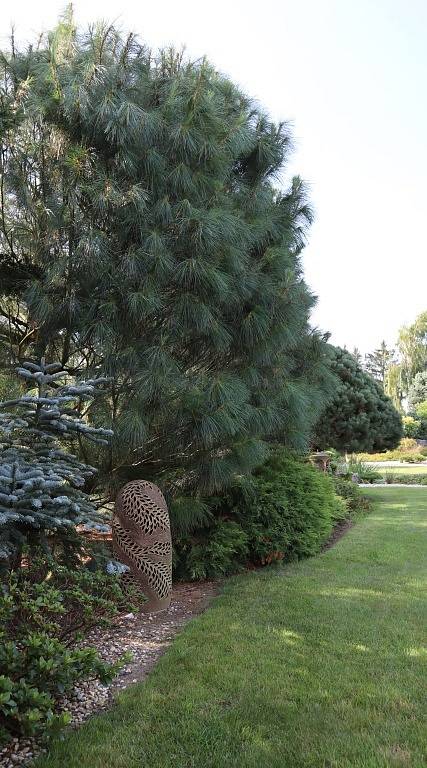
pixel 142 541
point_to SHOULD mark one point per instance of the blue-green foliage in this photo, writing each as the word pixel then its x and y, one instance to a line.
pixel 174 259
pixel 41 481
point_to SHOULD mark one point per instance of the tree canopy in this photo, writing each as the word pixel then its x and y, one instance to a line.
pixel 378 362
pixel 359 416
pixel 412 345
pixel 144 237
pixel 418 390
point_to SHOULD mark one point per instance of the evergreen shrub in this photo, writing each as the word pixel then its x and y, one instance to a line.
pixel 355 501
pixel 286 511
pixel 42 483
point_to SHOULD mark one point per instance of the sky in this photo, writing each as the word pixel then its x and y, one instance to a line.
pixel 350 77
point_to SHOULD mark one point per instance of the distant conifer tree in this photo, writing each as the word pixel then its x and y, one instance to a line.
pixel 378 362
pixel 359 417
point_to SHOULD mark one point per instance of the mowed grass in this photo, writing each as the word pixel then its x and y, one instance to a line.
pixel 408 469
pixel 320 665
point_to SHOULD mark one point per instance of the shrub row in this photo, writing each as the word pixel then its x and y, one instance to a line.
pixel 287 511
pixel 408 450
pixel 405 479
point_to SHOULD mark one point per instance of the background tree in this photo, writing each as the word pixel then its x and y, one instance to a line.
pixel 357 355
pixel 394 387
pixel 412 345
pixel 417 391
pixel 378 362
pixel 143 237
pixel 359 417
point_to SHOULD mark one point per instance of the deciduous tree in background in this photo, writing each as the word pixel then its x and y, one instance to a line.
pixel 412 345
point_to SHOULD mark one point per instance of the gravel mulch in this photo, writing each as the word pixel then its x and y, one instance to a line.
pixel 145 636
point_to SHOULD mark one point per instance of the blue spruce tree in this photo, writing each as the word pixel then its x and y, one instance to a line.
pixel 41 480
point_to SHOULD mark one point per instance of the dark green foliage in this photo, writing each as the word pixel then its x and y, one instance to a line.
pixel 355 501
pixel 155 246
pixel 403 479
pixel 359 417
pixel 33 671
pixel 45 596
pixel 217 551
pixel 41 608
pixel 417 391
pixel 286 512
pixel 41 482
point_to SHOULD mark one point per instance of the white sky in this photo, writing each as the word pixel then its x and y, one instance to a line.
pixel 351 77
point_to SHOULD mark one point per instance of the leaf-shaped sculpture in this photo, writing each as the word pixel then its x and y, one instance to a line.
pixel 142 540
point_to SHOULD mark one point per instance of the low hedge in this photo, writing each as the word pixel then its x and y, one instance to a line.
pixel 286 511
pixel 409 450
pixel 405 479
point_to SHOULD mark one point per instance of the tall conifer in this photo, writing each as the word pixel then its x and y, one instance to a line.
pixel 144 234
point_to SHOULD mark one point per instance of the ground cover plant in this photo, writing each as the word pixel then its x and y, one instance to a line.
pixel 321 663
pixel 43 608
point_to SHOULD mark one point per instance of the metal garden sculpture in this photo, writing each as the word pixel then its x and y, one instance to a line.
pixel 142 541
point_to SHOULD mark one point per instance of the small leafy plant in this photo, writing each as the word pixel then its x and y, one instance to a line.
pixel 43 607
pixel 364 472
pixel 34 671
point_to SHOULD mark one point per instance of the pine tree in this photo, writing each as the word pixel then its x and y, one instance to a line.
pixel 357 355
pixel 41 482
pixel 359 416
pixel 378 362
pixel 154 245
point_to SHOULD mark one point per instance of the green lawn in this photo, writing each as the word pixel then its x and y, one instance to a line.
pixel 320 665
